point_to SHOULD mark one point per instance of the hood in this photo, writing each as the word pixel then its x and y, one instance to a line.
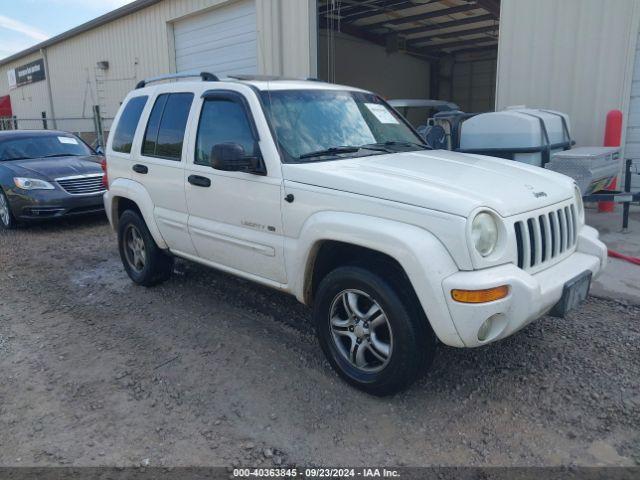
pixel 440 180
pixel 56 167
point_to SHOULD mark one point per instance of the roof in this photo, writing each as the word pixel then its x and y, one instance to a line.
pixel 287 84
pixel 261 82
pixel 96 22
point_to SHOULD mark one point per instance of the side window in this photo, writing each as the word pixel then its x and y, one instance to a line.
pixel 165 128
pixel 222 121
pixel 126 129
pixel 153 124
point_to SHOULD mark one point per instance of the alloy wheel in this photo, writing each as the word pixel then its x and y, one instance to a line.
pixel 361 330
pixel 5 215
pixel 134 248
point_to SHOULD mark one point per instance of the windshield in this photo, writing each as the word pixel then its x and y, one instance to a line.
pixel 312 125
pixel 42 146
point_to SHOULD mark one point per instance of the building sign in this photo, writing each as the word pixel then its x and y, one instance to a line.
pixel 29 73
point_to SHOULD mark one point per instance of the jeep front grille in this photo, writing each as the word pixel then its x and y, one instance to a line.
pixel 542 238
pixel 82 184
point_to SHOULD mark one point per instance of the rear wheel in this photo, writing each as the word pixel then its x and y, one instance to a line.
pixel 145 263
pixel 372 332
pixel 7 221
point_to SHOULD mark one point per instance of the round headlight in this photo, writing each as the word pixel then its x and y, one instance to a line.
pixel 579 204
pixel 484 233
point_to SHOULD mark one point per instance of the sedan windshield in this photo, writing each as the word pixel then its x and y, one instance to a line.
pixel 42 146
pixel 312 125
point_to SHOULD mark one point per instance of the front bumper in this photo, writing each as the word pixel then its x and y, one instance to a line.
pixel 43 204
pixel 530 295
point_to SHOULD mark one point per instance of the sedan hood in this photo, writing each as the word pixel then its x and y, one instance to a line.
pixel 55 167
pixel 450 182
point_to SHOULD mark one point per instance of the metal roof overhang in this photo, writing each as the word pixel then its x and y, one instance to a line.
pixel 428 28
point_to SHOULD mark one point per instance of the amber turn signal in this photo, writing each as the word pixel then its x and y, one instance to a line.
pixel 480 296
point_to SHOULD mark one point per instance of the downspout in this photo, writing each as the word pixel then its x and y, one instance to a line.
pixel 43 52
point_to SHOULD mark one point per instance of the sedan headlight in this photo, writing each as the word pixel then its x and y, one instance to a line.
pixel 579 204
pixel 32 184
pixel 484 233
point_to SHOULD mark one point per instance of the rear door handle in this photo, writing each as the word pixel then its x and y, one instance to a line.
pixel 140 168
pixel 199 181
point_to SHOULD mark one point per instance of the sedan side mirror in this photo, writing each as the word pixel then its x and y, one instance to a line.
pixel 231 157
pixel 99 150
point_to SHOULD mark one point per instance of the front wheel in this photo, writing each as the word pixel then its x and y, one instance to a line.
pixel 7 221
pixel 145 263
pixel 373 332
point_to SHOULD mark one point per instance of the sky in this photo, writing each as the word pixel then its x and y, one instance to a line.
pixel 24 23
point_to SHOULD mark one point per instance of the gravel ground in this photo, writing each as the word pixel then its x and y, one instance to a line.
pixel 207 369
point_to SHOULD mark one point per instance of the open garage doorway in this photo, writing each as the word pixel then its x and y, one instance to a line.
pixel 412 49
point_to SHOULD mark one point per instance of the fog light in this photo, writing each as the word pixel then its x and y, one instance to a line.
pixel 485 329
pixel 480 296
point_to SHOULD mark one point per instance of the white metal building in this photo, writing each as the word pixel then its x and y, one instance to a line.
pixel 576 56
pixel 99 62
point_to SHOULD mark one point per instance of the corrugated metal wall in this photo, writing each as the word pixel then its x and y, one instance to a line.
pixel 358 63
pixel 632 144
pixel 575 56
pixel 473 85
pixel 140 45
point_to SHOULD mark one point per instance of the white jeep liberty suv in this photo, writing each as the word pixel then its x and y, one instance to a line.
pixel 325 192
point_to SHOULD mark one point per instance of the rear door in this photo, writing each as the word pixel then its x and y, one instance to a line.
pixel 235 219
pixel 120 144
pixel 159 166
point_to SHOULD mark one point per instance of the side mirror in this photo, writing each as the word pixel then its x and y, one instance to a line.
pixel 99 150
pixel 231 157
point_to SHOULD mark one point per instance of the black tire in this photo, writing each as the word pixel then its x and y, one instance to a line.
pixel 413 341
pixel 7 221
pixel 157 265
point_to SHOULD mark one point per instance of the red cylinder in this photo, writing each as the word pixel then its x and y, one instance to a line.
pixel 613 129
pixel 612 138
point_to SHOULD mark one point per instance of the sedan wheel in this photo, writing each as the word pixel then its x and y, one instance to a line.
pixel 6 219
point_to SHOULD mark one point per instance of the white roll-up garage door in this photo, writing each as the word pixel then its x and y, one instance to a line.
pixel 632 145
pixel 221 41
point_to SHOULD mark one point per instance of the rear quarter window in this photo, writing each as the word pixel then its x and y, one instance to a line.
pixel 126 129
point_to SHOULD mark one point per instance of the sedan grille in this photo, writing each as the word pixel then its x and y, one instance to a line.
pixel 542 238
pixel 82 184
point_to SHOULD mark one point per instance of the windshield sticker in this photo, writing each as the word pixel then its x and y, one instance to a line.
pixel 68 140
pixel 382 114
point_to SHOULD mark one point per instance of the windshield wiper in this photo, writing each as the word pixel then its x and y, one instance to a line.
pixel 15 158
pixel 391 143
pixel 61 155
pixel 330 151
pixel 339 150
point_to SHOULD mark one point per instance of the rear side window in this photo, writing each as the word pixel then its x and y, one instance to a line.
pixel 165 128
pixel 126 129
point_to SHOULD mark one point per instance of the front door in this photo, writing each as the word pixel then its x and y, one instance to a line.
pixel 234 217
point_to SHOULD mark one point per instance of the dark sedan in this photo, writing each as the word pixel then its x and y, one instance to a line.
pixel 47 174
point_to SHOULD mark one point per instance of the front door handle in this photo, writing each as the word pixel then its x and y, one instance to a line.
pixel 199 181
pixel 140 168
